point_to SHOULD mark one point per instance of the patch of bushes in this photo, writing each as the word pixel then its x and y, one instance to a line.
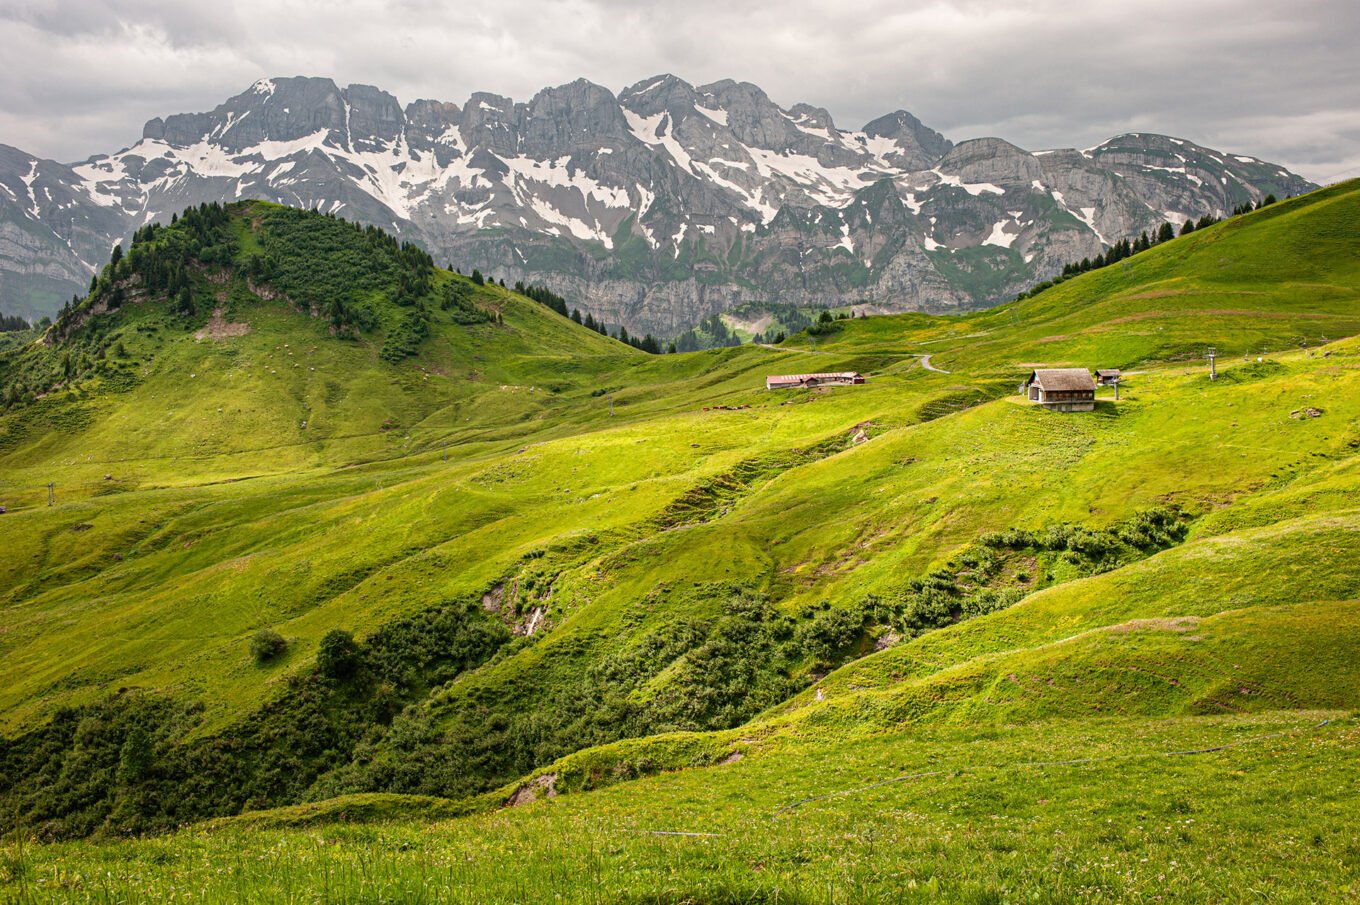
pixel 267 645
pixel 121 766
pixel 344 270
pixel 404 339
pixel 456 298
pixel 338 656
pixel 1098 549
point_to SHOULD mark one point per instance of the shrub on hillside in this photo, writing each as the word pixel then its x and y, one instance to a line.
pixel 832 633
pixel 135 755
pixel 338 656
pixel 266 644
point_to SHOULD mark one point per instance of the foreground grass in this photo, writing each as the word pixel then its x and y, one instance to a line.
pixel 1270 817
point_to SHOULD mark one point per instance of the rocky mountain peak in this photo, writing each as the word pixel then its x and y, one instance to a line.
pixel 284 109
pixel 659 94
pixel 917 145
pixel 432 126
pixel 752 117
pixel 993 161
pixel 373 118
pixel 580 116
pixel 489 121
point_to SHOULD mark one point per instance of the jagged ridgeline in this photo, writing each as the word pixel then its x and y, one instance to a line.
pixel 653 208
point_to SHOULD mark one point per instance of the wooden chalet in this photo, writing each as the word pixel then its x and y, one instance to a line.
pixel 1062 389
pixel 799 381
pixel 1107 376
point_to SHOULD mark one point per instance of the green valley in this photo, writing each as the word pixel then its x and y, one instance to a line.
pixel 362 580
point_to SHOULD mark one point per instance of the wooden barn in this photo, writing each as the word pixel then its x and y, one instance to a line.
pixel 798 381
pixel 1107 376
pixel 1062 389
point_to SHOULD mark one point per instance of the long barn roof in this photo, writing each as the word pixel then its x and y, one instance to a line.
pixel 831 375
pixel 1063 379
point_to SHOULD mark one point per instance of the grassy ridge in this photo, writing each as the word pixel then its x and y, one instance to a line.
pixel 1264 281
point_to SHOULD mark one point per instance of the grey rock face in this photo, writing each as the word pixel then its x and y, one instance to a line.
pixel 50 234
pixel 918 146
pixel 654 208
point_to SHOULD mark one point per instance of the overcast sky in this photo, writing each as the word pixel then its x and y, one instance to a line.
pixel 1278 80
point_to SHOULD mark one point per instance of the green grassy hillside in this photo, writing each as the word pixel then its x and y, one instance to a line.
pixel 1268 281
pixel 564 559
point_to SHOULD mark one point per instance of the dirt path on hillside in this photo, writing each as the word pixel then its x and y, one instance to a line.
pixel 925 363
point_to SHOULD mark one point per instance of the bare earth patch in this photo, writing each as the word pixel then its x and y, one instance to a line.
pixel 218 328
pixel 546 785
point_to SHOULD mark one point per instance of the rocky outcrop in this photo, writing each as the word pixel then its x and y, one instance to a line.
pixel 917 145
pixel 653 208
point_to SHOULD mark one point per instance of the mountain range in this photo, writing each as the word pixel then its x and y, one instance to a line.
pixel 652 208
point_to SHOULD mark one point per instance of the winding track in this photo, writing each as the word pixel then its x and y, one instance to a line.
pixel 925 363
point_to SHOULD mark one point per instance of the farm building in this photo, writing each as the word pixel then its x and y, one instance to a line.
pixel 1062 389
pixel 796 381
pixel 1107 376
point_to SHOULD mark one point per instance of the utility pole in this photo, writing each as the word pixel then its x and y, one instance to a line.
pixel 1213 370
pixel 1116 389
pixel 52 494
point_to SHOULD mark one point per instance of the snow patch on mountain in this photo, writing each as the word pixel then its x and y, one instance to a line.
pixel 655 130
pixel 717 115
pixel 831 186
pixel 972 188
pixel 999 236
pixel 558 174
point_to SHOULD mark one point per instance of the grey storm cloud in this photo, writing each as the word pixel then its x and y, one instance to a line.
pixel 1276 80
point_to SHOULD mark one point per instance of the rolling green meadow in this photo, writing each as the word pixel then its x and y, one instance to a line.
pixel 366 581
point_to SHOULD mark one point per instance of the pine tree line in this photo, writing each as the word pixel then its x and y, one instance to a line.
pixel 711 333
pixel 13 323
pixel 159 257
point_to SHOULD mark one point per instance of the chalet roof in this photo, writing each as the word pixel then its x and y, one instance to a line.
pixel 1107 372
pixel 830 375
pixel 1062 379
